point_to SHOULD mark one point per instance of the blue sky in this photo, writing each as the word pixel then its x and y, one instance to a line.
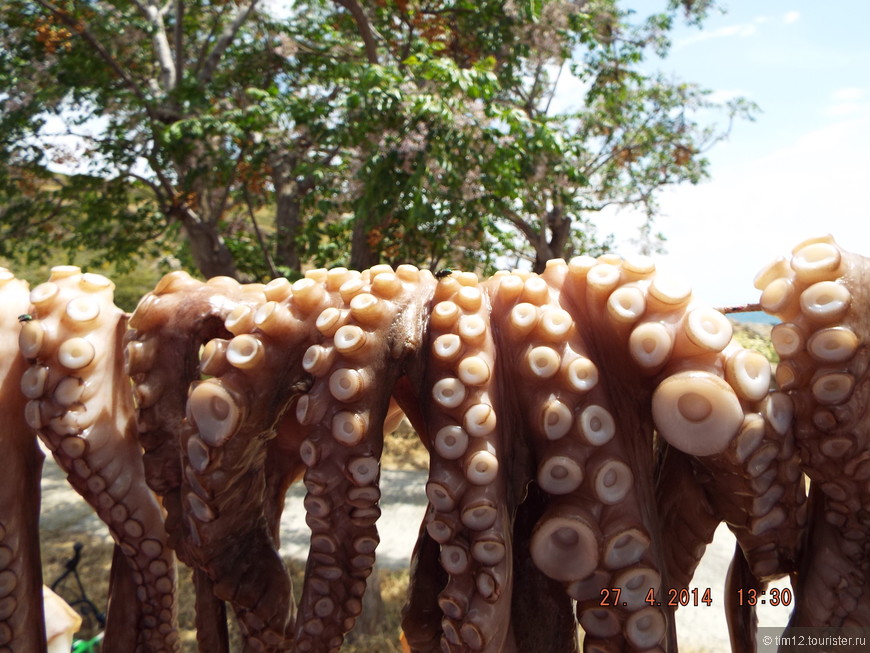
pixel 802 169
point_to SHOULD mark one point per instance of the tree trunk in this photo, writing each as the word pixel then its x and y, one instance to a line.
pixel 559 227
pixel 211 254
pixel 362 256
pixel 288 211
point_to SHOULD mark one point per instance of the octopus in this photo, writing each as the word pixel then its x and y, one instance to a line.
pixel 588 429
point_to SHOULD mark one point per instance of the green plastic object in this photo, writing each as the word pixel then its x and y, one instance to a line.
pixel 87 645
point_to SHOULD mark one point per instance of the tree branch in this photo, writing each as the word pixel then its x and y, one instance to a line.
pixel 179 40
pixel 741 308
pixel 161 47
pixel 272 270
pixel 364 27
pixel 224 40
pixel 81 28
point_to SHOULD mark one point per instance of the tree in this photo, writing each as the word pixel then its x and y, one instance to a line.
pixel 343 132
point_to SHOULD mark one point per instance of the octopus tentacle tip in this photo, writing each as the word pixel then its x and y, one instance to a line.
pixel 603 277
pixel 596 425
pixel 825 301
pixel 348 428
pixel 523 318
pixel 481 467
pixel 449 392
pixel 556 419
pixel 479 420
pixel 560 475
pixel 347 384
pixel 708 329
pixel 748 372
pixel 215 412
pixel 833 388
pixel 543 361
pixel 59 272
pixel 581 375
pixel 447 347
pixel 473 371
pixel 245 352
pixel 612 481
pixel 367 309
pixel 788 339
pixel 626 305
pixel 833 345
pixel 451 442
pixel 645 628
pixel 43 293
pixel 564 546
pixel 76 353
pixel 696 412
pixel 31 339
pixel 471 328
pixel 650 344
pixel 816 261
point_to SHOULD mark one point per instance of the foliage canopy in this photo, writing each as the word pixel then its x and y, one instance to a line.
pixel 333 132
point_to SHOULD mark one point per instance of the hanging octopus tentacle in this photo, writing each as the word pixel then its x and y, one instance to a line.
pixel 821 295
pixel 21 613
pixel 593 447
pixel 167 330
pixel 470 506
pixel 366 345
pixel 242 453
pixel 82 407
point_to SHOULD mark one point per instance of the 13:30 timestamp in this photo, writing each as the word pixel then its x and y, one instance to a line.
pixel 773 596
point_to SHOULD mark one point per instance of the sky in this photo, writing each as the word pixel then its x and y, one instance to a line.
pixel 801 170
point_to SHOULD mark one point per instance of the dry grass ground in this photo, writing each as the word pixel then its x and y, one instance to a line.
pixel 94 566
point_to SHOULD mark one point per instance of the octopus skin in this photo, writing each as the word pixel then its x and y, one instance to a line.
pixel 588 429
pixel 81 404
pixel 820 293
pixel 21 612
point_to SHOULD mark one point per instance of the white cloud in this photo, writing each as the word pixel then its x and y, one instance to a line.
pixel 791 17
pixel 847 101
pixel 722 95
pixel 848 93
pixel 722 232
pixel 741 30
